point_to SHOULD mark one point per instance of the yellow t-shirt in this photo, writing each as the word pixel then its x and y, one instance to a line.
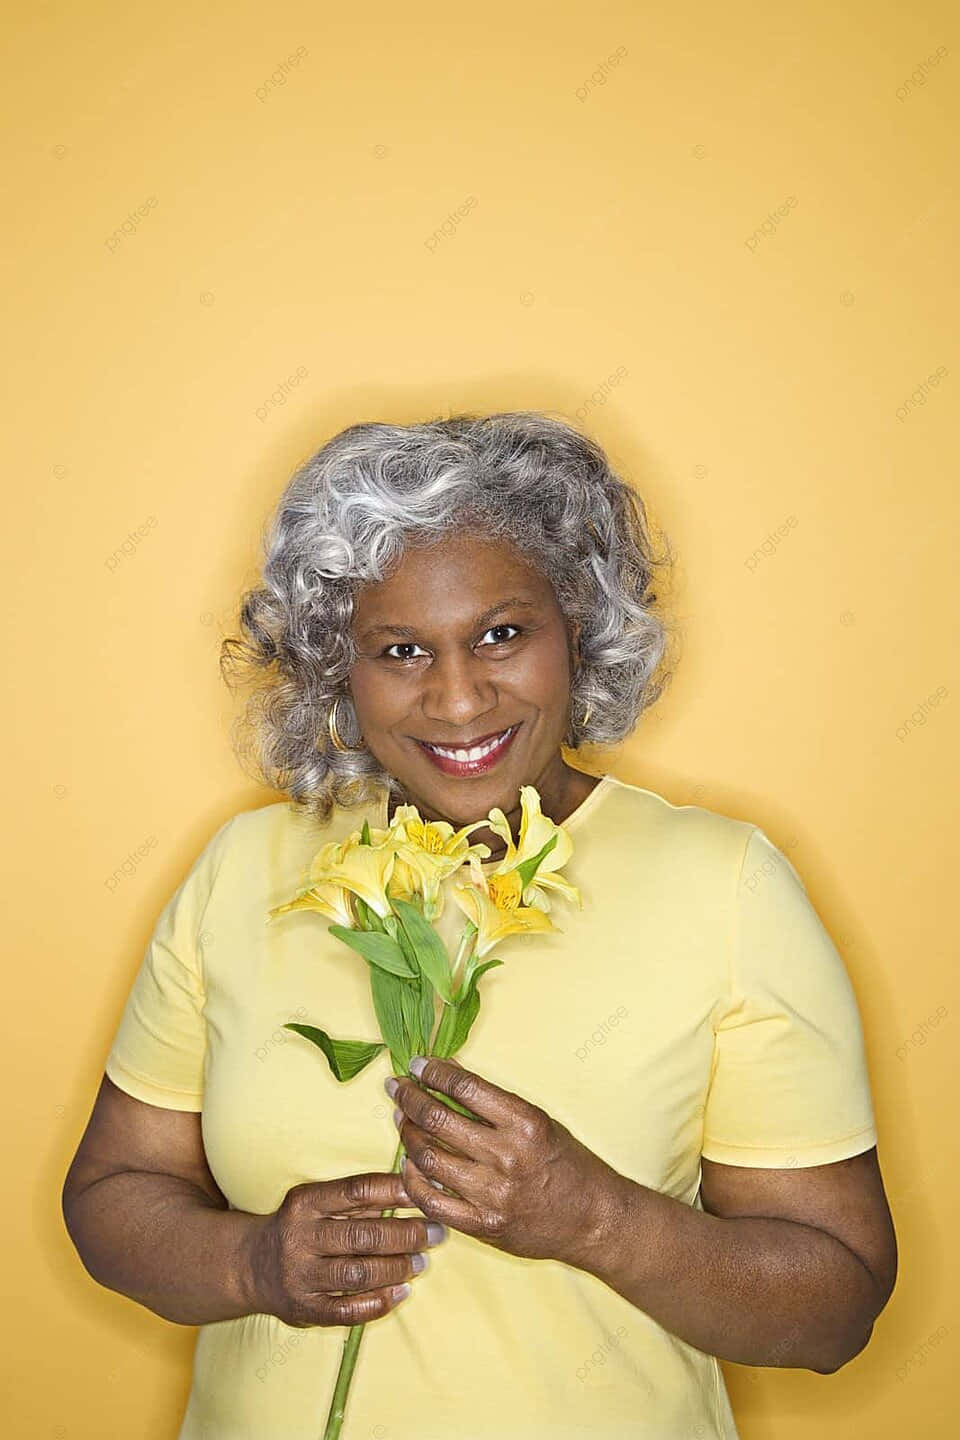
pixel 695 1005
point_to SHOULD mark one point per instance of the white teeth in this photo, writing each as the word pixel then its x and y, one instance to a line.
pixel 474 754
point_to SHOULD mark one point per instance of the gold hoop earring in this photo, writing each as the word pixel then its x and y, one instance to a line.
pixel 336 740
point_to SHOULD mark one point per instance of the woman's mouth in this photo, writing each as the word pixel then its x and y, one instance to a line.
pixel 472 760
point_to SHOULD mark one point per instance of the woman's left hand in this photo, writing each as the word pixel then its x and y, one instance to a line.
pixel 520 1180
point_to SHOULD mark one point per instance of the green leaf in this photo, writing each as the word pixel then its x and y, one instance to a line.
pixel 475 976
pixel 467 1012
pixel 430 950
pixel 365 833
pixel 362 913
pixel 378 949
pixel 529 868
pixel 345 1057
pixel 457 1019
pixel 441 1043
pixel 367 916
pixel 427 1015
pixel 387 991
pixel 403 940
pixel 410 1007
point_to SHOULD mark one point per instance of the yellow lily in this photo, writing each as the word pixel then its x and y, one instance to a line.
pixel 493 904
pixel 321 893
pixel 535 830
pixel 427 851
pixel 331 901
pixel 364 870
pixel 435 837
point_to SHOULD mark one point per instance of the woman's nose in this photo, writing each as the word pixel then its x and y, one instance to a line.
pixel 456 691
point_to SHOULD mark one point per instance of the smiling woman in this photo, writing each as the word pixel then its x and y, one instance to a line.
pixel 448 612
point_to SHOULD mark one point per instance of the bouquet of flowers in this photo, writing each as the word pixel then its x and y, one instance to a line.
pixel 382 889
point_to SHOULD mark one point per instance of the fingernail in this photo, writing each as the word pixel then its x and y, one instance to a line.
pixel 401 1292
pixel 418 1262
pixel 397 1116
pixel 417 1063
pixel 391 1087
pixel 436 1232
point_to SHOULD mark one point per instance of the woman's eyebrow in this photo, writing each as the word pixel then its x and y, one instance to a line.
pixel 516 601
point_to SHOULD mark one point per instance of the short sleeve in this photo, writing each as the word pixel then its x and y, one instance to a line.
pixel 789 1083
pixel 158 1050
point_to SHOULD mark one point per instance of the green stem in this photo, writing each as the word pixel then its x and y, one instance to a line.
pixel 466 938
pixel 351 1346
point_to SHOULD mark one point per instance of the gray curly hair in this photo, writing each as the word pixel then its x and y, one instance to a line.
pixel 344 520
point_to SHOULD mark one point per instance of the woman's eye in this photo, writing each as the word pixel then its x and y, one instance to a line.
pixel 401 645
pixel 502 627
pixel 410 645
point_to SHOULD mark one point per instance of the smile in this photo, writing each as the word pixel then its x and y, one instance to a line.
pixel 473 761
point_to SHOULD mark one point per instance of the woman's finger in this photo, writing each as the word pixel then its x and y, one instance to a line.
pixel 370 1192
pixel 448 1209
pixel 441 1166
pixel 483 1098
pixel 444 1124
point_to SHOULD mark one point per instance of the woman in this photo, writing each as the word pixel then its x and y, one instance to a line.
pixel 676 1157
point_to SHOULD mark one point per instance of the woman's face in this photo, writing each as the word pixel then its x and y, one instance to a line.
pixel 463 640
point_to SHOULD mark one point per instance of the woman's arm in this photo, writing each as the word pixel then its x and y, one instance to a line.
pixel 165 1243
pixel 149 1221
pixel 146 1215
pixel 782 1267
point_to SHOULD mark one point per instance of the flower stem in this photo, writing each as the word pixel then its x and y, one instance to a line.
pixel 351 1346
pixel 466 937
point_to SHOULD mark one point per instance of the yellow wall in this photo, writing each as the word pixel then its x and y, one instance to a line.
pixel 722 237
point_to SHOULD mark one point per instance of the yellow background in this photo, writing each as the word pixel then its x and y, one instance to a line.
pixel 747 217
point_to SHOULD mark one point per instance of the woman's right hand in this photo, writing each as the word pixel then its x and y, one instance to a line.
pixel 329 1236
